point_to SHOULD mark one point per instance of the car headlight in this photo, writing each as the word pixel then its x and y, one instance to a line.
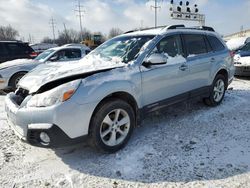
pixel 59 94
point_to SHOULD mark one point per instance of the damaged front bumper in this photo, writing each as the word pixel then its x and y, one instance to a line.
pixel 64 124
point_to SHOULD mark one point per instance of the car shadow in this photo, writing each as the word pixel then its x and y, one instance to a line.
pixel 186 142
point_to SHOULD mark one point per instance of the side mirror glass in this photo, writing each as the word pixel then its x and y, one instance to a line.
pixel 155 59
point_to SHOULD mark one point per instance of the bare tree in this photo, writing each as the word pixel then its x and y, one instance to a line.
pixel 115 32
pixel 8 33
pixel 72 36
pixel 47 40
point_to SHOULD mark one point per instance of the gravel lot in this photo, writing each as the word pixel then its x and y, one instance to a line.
pixel 188 145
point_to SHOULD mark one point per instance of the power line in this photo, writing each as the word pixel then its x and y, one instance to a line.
pixel 53 26
pixel 80 13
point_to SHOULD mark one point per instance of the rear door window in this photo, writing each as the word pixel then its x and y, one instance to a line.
pixel 66 55
pixel 195 44
pixel 170 46
pixel 215 43
pixel 73 53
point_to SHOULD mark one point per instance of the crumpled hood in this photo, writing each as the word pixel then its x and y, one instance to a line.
pixel 17 62
pixel 50 72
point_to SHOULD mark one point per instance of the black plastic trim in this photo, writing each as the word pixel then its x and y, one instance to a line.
pixel 57 138
pixel 201 92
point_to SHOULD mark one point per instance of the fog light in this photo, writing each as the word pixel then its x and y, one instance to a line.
pixel 44 138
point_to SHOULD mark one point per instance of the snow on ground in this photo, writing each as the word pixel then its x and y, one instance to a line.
pixel 188 145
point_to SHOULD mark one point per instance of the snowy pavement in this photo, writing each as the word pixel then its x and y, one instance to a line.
pixel 188 145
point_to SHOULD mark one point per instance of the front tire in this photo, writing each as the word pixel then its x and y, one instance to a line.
pixel 217 92
pixel 112 125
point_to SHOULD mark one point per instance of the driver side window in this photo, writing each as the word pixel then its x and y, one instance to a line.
pixel 169 46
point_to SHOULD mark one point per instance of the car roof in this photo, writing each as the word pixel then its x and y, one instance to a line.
pixel 14 41
pixel 66 47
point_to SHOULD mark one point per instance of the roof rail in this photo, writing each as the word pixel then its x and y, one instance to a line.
pixel 180 26
pixel 175 26
pixel 205 28
pixel 144 29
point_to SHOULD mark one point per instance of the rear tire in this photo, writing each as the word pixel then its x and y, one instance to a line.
pixel 112 125
pixel 217 92
pixel 15 79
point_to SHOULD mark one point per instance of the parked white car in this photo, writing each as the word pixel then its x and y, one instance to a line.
pixel 12 71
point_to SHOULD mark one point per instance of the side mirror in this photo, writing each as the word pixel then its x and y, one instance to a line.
pixel 54 58
pixel 155 59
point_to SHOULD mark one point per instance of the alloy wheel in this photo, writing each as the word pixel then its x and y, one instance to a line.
pixel 219 90
pixel 115 127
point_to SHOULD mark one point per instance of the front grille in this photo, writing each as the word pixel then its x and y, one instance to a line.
pixel 20 95
pixel 247 68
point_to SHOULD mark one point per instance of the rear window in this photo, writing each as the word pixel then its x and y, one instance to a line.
pixel 215 43
pixel 195 44
pixel 246 47
pixel 18 48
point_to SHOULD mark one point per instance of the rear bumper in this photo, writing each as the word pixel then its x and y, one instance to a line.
pixel 242 70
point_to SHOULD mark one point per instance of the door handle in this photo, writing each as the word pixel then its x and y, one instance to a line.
pixel 183 67
pixel 212 60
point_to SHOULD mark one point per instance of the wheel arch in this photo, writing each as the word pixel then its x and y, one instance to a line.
pixel 223 72
pixel 9 82
pixel 122 95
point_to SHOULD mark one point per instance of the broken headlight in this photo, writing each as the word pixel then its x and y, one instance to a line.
pixel 59 94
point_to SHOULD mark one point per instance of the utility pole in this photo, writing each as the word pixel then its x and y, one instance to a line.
pixel 156 7
pixel 30 38
pixel 142 21
pixel 80 14
pixel 66 32
pixel 53 26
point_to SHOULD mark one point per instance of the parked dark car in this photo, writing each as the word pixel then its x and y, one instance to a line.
pixel 11 50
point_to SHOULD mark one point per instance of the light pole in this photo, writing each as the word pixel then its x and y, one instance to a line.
pixel 156 7
pixel 183 11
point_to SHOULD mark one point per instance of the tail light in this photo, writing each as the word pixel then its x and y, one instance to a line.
pixel 33 54
pixel 232 53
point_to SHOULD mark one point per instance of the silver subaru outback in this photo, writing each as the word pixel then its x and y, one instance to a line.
pixel 104 96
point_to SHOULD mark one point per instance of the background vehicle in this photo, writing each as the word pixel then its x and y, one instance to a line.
pixel 108 92
pixel 236 43
pixel 41 47
pixel 11 72
pixel 93 42
pixel 242 60
pixel 82 46
pixel 10 50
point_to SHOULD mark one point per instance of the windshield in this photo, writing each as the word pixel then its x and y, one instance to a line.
pixel 246 47
pixel 123 49
pixel 44 55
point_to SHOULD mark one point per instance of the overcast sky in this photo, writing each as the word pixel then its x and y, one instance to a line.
pixel 32 16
